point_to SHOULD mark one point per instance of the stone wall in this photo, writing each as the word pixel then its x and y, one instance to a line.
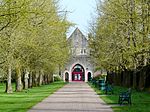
pixel 79 54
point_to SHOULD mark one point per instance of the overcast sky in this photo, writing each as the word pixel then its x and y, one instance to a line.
pixel 81 12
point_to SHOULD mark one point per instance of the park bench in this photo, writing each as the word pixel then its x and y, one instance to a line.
pixel 108 89
pixel 125 97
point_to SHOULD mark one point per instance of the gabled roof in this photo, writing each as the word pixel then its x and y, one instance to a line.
pixel 76 30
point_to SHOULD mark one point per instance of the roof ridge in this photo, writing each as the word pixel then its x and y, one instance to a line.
pixel 77 29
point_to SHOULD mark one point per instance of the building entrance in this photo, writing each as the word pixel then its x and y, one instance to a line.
pixel 78 73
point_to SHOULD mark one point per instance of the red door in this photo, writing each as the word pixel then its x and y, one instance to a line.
pixel 77 76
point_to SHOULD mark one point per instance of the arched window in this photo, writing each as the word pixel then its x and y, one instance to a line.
pixel 81 51
pixel 84 51
pixel 66 76
pixel 89 76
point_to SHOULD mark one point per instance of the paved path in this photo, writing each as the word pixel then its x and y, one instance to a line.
pixel 73 97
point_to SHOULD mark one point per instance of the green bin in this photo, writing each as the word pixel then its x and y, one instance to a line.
pixel 102 84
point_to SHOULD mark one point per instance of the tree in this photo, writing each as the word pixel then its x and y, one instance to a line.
pixel 121 37
pixel 33 37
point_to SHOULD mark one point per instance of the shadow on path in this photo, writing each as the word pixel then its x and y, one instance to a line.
pixel 74 97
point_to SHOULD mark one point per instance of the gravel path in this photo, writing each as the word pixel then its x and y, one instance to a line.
pixel 73 97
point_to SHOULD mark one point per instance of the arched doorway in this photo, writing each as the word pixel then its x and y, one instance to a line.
pixel 78 73
pixel 89 76
pixel 67 77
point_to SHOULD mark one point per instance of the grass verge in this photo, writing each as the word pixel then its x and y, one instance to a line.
pixel 140 100
pixel 22 101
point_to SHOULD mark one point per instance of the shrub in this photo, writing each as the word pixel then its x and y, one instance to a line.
pixel 57 78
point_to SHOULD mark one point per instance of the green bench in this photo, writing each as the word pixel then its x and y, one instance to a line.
pixel 125 97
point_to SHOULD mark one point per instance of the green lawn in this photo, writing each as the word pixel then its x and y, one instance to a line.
pixel 140 100
pixel 22 101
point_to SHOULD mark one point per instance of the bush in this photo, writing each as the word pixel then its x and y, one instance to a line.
pixel 57 78
pixel 102 76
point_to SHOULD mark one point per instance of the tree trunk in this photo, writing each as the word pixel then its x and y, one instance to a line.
pixel 8 84
pixel 19 85
pixel 51 78
pixel 142 79
pixel 117 78
pixel 26 77
pixel 30 80
pixel 127 78
pixel 134 79
pixel 36 78
pixel 46 79
pixel 41 77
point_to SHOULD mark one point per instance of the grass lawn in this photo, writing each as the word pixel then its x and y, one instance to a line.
pixel 140 100
pixel 22 101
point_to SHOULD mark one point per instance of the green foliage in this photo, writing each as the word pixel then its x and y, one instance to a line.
pixel 102 76
pixel 23 101
pixel 32 35
pixel 57 78
pixel 120 36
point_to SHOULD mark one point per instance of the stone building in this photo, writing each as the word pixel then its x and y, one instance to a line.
pixel 79 66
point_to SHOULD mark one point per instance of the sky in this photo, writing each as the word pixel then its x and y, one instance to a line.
pixel 80 13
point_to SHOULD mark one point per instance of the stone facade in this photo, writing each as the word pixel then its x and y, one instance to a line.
pixel 79 67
